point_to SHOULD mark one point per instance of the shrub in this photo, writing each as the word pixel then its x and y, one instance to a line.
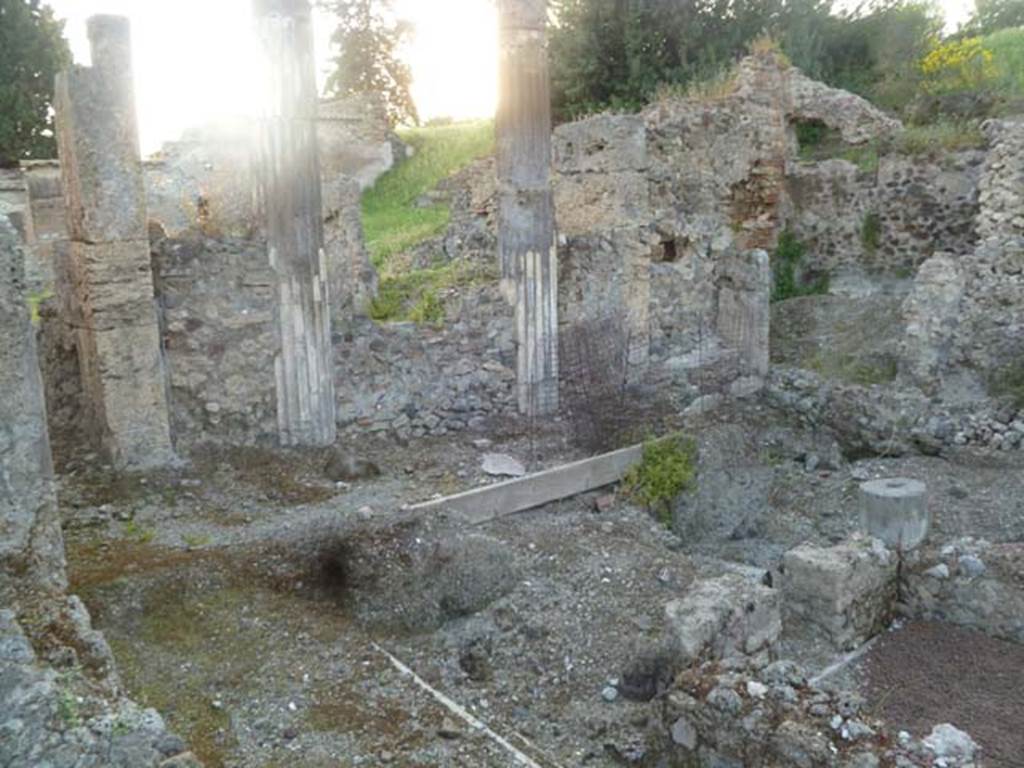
pixel 668 468
pixel 958 65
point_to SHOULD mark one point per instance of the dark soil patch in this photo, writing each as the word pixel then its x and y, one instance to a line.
pixel 930 673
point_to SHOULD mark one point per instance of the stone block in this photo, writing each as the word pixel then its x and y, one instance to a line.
pixel 895 510
pixel 727 616
pixel 113 284
pixel 840 596
pixel 133 388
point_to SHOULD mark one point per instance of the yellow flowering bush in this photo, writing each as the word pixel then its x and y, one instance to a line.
pixel 958 65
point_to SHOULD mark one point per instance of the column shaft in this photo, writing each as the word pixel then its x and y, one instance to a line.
pixel 290 200
pixel 526 221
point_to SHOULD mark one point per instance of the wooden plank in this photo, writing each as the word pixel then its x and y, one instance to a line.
pixel 491 501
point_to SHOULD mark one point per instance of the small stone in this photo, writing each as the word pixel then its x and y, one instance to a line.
pixel 502 465
pixel 855 729
pixel 449 730
pixel 940 571
pixel 684 734
pixel 289 733
pixel 610 693
pixel 971 566
pixel 948 741
pixel 604 502
pixel 756 690
pixel 726 700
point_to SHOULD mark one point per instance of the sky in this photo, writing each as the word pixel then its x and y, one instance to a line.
pixel 194 59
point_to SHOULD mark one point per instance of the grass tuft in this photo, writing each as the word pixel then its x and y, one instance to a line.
pixel 419 296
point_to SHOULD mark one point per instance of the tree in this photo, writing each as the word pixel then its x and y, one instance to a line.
pixel 32 51
pixel 368 39
pixel 992 15
pixel 615 53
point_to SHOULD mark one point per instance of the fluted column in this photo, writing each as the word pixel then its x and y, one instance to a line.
pixel 290 202
pixel 526 228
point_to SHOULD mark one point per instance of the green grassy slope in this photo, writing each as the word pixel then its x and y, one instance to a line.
pixel 391 219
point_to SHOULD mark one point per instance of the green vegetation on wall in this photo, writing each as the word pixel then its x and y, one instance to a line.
pixel 1009 383
pixel 786 279
pixel 419 295
pixel 668 468
pixel 871 232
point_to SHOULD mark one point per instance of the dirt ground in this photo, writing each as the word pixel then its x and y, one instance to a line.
pixel 928 673
pixel 257 673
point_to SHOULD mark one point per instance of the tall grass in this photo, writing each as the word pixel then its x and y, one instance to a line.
pixel 391 218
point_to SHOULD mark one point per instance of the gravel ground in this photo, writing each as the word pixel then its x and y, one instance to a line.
pixel 929 673
pixel 259 673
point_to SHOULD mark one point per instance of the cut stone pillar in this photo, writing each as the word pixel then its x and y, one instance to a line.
pixel 744 311
pixel 526 221
pixel 290 199
pixel 31 546
pixel 895 510
pixel 105 268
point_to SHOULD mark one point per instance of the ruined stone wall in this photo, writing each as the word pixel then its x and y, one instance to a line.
pixel 355 138
pixel 416 380
pixel 964 316
pixel 991 334
pixel 216 303
pixel 31 546
pixel 919 206
pixel 205 180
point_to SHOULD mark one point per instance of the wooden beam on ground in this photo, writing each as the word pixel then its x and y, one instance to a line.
pixel 491 501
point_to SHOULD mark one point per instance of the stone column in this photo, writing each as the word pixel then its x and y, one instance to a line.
pixel 526 221
pixel 290 199
pixel 106 266
pixel 31 546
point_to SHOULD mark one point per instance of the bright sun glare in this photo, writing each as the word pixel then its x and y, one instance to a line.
pixel 195 59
